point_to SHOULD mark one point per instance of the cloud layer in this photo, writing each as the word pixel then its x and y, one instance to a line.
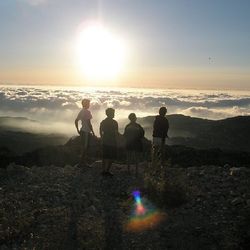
pixel 61 105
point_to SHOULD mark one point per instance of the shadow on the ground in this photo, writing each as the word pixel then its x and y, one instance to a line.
pixel 112 220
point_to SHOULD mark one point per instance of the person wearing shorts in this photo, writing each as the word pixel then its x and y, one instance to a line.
pixel 85 117
pixel 108 133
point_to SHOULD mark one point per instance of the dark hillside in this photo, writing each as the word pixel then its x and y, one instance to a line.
pixel 16 133
pixel 228 134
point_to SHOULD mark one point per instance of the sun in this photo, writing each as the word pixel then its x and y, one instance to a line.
pixel 100 54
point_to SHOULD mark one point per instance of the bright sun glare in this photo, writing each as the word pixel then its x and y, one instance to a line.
pixel 100 53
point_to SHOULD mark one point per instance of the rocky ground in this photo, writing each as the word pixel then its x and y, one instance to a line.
pixel 67 207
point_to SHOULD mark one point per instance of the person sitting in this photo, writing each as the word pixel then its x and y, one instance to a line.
pixel 108 133
pixel 160 133
pixel 84 116
pixel 133 134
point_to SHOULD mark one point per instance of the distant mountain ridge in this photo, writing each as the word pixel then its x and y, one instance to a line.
pixel 194 141
pixel 4 119
pixel 15 134
pixel 229 134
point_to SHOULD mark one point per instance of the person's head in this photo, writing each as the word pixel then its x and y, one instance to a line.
pixel 110 113
pixel 132 117
pixel 85 103
pixel 162 111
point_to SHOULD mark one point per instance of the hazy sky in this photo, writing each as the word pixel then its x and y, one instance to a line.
pixel 171 43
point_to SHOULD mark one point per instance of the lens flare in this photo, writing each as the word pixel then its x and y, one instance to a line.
pixel 144 215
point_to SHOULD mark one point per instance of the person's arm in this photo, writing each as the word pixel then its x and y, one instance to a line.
pixel 155 126
pixel 101 131
pixel 90 126
pixel 76 124
pixel 78 118
pixel 142 131
pixel 167 127
pixel 125 131
pixel 116 130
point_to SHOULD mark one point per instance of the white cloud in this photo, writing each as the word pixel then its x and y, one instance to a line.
pixel 62 105
pixel 215 114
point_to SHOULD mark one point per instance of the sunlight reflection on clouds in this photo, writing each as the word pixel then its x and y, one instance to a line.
pixel 61 104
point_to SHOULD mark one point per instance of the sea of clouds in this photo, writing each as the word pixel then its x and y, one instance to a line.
pixel 55 108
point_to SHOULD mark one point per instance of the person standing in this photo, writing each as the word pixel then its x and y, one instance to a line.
pixel 109 134
pixel 160 133
pixel 133 134
pixel 85 117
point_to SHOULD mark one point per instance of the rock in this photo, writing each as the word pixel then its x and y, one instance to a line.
pixel 2 172
pixel 68 168
pixel 3 247
pixel 65 198
pixel 202 172
pixel 92 210
pixel 237 200
pixel 233 193
pixel 237 171
pixel 192 169
pixel 16 170
pixel 96 202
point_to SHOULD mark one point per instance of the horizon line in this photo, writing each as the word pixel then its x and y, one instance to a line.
pixel 123 87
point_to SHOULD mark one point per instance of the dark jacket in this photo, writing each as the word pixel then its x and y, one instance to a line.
pixel 109 131
pixel 133 134
pixel 161 127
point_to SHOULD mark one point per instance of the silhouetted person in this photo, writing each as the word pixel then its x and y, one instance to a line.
pixel 108 133
pixel 133 134
pixel 160 133
pixel 84 116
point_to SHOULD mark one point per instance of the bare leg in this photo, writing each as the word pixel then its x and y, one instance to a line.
pixel 156 153
pixel 84 148
pixel 108 166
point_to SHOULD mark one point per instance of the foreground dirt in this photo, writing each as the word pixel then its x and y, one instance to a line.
pixel 70 208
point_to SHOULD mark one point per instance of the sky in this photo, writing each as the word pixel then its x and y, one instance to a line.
pixel 196 44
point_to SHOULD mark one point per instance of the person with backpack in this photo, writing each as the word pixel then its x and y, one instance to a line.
pixel 133 134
